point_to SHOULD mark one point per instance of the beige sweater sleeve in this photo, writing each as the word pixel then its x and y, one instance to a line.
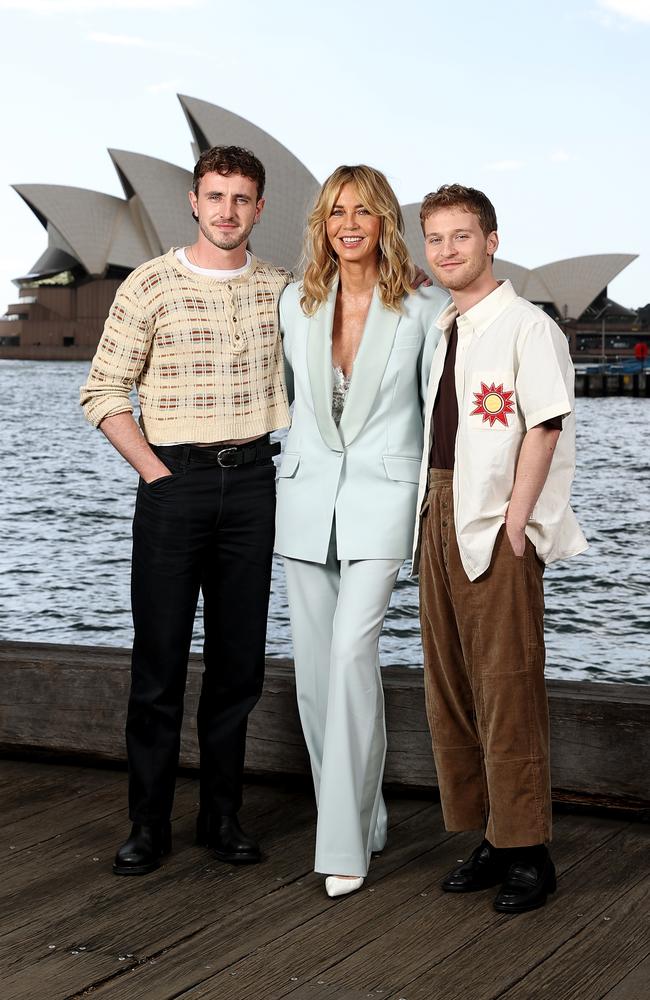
pixel 119 359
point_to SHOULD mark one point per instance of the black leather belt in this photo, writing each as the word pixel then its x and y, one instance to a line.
pixel 229 456
pixel 238 454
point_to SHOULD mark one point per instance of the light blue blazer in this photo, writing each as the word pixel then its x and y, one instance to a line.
pixel 365 471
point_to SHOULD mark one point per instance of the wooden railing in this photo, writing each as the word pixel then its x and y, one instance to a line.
pixel 71 700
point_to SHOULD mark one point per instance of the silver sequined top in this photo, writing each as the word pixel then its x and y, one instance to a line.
pixel 340 386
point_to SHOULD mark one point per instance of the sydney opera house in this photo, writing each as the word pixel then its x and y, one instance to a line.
pixel 95 239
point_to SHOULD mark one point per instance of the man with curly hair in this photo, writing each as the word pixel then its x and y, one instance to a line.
pixel 196 332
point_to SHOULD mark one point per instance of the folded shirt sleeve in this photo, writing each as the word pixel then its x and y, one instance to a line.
pixel 545 375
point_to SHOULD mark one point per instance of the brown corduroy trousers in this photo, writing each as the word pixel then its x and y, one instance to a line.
pixel 486 701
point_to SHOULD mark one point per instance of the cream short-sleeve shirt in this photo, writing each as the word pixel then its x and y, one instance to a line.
pixel 513 371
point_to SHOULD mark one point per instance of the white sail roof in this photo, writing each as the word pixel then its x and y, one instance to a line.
pixel 290 187
pixel 161 189
pixel 101 230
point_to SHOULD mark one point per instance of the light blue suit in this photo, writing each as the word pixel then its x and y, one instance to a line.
pixel 346 505
pixel 367 469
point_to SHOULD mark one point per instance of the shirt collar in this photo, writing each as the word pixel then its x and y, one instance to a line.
pixel 249 270
pixel 484 313
pixel 446 318
pixel 480 316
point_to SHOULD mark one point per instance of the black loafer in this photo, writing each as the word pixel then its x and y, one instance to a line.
pixel 227 839
pixel 141 853
pixel 485 867
pixel 526 886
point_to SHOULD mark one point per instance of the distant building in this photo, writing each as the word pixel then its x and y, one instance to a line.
pixel 95 240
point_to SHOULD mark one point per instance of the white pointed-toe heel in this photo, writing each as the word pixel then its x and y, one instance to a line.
pixel 335 886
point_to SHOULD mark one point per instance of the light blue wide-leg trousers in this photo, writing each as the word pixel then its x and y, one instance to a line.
pixel 337 611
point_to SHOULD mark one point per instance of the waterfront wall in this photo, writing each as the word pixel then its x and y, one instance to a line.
pixel 72 700
pixel 612 384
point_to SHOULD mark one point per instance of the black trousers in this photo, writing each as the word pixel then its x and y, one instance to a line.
pixel 206 529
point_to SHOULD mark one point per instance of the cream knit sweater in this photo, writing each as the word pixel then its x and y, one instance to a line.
pixel 204 354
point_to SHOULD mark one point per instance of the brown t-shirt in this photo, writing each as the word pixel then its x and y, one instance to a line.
pixel 445 412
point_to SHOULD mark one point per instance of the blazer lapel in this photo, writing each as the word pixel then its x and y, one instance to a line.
pixel 369 367
pixel 319 364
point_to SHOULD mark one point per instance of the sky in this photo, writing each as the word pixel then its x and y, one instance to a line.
pixel 543 105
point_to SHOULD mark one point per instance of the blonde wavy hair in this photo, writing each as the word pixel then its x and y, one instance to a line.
pixel 321 262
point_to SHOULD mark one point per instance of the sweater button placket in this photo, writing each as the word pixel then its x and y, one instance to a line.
pixel 236 336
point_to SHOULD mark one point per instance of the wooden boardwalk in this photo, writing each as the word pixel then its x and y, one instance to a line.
pixel 201 930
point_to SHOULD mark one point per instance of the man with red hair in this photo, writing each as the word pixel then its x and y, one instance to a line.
pixel 493 508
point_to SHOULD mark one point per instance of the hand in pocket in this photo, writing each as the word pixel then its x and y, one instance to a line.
pixel 517 539
pixel 159 479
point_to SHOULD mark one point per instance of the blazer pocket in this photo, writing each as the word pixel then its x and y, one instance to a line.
pixel 404 342
pixel 289 465
pixel 402 469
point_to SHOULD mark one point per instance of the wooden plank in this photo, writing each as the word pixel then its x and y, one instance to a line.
pixel 635 985
pixel 509 949
pixel 64 816
pixel 14 772
pixel 38 881
pixel 34 884
pixel 83 856
pixel 80 857
pixel 72 700
pixel 598 957
pixel 95 914
pixel 316 991
pixel 596 729
pixel 238 936
pixel 31 794
pixel 176 924
pixel 106 918
pixel 382 939
pixel 50 693
pixel 184 930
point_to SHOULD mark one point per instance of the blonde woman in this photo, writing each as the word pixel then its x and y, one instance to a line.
pixel 358 343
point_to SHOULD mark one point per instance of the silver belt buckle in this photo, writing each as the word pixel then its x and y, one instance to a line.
pixel 225 452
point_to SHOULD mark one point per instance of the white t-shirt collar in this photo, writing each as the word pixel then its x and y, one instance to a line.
pixel 220 274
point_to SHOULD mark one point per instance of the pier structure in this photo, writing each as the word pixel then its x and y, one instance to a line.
pixel 631 379
pixel 202 930
pixel 197 929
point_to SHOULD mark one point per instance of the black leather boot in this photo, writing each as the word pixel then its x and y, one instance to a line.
pixel 142 852
pixel 485 867
pixel 226 838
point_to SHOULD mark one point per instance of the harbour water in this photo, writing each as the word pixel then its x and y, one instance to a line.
pixel 66 503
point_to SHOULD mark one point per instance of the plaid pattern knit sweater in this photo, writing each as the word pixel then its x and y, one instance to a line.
pixel 204 354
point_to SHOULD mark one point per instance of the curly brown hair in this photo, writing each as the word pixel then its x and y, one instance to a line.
pixel 230 160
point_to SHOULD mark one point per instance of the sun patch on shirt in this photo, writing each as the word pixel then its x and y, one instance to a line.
pixel 493 404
